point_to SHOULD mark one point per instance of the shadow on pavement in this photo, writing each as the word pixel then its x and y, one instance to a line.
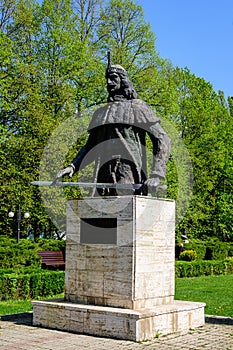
pixel 219 320
pixel 24 318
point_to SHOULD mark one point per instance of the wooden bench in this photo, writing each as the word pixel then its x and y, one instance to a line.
pixel 52 259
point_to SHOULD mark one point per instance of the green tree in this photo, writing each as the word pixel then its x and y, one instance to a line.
pixel 124 32
pixel 21 113
pixel 44 67
pixel 203 120
pixel 52 64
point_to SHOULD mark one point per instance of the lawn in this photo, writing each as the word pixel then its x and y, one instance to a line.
pixel 215 291
pixel 16 306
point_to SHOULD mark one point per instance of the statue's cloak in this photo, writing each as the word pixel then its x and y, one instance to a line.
pixel 132 112
pixel 118 131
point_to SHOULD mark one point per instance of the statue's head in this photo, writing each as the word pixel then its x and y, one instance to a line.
pixel 118 84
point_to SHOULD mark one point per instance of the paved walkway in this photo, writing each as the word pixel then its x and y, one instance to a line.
pixel 17 333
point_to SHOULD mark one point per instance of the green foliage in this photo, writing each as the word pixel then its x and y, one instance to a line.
pixel 205 126
pixel 51 244
pixel 16 255
pixel 229 267
pixel 29 285
pixel 209 248
pixel 199 246
pixel 230 250
pixel 201 268
pixel 52 64
pixel 216 251
pixel 25 253
pixel 129 38
pixel 188 255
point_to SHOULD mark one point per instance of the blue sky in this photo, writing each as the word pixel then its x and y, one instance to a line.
pixel 197 34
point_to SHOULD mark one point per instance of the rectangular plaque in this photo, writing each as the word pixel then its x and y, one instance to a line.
pixel 98 231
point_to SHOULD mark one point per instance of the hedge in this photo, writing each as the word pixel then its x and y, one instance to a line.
pixel 203 268
pixel 216 251
pixel 25 253
pixel 30 285
pixel 16 258
pixel 210 248
pixel 230 250
pixel 198 246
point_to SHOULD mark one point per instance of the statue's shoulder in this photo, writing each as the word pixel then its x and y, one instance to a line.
pixel 144 112
pixel 132 112
pixel 139 102
pixel 142 104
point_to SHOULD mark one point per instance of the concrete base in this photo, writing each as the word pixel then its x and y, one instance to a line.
pixel 128 324
pixel 120 273
pixel 128 263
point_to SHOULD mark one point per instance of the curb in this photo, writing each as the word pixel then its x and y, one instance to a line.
pixel 27 316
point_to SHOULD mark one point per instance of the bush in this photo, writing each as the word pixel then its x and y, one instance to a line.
pixel 198 246
pixel 51 244
pixel 210 248
pixel 192 269
pixel 16 257
pixel 25 253
pixel 29 285
pixel 229 266
pixel 216 250
pixel 203 268
pixel 230 249
pixel 188 255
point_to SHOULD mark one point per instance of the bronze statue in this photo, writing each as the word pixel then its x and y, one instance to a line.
pixel 117 140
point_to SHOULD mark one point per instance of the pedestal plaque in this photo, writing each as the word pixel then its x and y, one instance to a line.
pixel 119 279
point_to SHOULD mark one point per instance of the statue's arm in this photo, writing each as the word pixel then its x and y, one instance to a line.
pixel 161 151
pixel 78 162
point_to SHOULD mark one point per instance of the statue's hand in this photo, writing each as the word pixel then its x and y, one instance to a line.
pixel 152 183
pixel 69 170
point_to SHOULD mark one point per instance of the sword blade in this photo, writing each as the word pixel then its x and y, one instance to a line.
pixel 86 184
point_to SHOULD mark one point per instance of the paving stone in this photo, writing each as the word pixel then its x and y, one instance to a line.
pixel 18 334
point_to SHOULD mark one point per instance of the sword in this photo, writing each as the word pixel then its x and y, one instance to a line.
pixel 86 184
pixel 161 188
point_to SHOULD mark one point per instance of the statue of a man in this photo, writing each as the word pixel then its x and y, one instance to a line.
pixel 117 140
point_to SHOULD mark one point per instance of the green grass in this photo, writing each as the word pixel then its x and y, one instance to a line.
pixel 215 291
pixel 16 306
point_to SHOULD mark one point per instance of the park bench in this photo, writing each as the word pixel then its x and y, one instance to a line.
pixel 52 259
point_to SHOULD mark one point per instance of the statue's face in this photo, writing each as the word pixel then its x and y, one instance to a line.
pixel 113 82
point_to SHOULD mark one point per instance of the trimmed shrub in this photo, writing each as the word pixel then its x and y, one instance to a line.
pixel 51 244
pixel 230 249
pixel 216 251
pixel 188 255
pixel 210 249
pixel 203 268
pixel 15 257
pixel 229 266
pixel 40 283
pixel 46 284
pixel 197 245
pixel 192 269
pixel 25 253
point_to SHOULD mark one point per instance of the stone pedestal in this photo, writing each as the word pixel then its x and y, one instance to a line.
pixel 119 279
